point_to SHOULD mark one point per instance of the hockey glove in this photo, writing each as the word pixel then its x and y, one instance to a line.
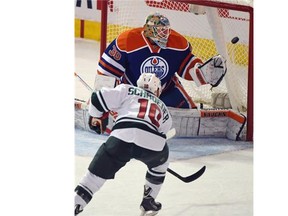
pixel 211 72
pixel 214 70
pixel 99 124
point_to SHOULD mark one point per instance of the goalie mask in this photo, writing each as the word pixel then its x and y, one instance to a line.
pixel 150 82
pixel 157 28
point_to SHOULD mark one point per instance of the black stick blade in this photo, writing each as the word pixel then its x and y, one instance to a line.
pixel 190 178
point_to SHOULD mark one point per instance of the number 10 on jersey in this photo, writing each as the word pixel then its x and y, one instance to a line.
pixel 151 113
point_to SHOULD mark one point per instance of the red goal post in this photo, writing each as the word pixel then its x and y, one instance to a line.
pixel 209 25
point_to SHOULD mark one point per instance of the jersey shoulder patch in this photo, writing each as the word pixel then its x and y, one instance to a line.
pixel 130 40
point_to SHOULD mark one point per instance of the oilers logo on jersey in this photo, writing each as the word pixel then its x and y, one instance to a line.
pixel 155 64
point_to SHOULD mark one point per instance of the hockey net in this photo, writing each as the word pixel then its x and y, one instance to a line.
pixel 210 27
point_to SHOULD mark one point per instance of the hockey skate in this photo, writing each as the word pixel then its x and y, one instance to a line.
pixel 149 207
pixel 78 209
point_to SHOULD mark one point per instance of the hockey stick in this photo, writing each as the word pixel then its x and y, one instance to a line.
pixel 79 100
pixel 83 82
pixel 171 133
pixel 190 178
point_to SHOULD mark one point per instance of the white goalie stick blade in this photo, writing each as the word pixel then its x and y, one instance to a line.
pixel 171 133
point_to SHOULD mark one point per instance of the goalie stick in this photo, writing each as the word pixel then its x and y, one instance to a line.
pixel 108 130
pixel 83 82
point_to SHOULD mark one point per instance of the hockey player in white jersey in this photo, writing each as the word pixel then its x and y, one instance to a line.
pixel 139 132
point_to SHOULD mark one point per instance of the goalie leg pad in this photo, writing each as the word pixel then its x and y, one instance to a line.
pixel 208 123
pixel 235 126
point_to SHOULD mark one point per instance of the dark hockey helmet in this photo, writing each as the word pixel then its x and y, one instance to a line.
pixel 157 28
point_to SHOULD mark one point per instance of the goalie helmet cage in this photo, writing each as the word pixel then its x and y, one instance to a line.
pixel 212 27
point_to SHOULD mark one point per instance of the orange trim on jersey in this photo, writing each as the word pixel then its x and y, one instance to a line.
pixel 131 40
pixel 116 72
pixel 121 40
pixel 223 113
pixel 177 41
pixel 183 91
pixel 134 39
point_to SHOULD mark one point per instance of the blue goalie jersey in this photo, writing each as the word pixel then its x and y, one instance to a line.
pixel 132 54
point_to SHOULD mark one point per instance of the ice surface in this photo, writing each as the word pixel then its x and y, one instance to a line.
pixel 225 189
pixel 87 143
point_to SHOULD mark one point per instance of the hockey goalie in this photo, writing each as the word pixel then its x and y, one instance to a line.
pixel 157 48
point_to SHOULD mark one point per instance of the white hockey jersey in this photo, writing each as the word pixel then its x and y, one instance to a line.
pixel 143 119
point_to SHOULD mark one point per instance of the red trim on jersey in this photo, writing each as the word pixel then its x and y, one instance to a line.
pixel 183 64
pixel 153 47
pixel 200 77
pixel 187 75
pixel 166 85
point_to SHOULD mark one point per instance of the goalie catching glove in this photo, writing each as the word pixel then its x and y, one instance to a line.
pixel 211 72
pixel 99 124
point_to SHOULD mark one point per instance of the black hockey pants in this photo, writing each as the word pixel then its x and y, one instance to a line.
pixel 115 153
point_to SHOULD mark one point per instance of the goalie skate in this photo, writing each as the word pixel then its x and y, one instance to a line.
pixel 149 207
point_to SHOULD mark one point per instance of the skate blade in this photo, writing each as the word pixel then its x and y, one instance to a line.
pixel 147 213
